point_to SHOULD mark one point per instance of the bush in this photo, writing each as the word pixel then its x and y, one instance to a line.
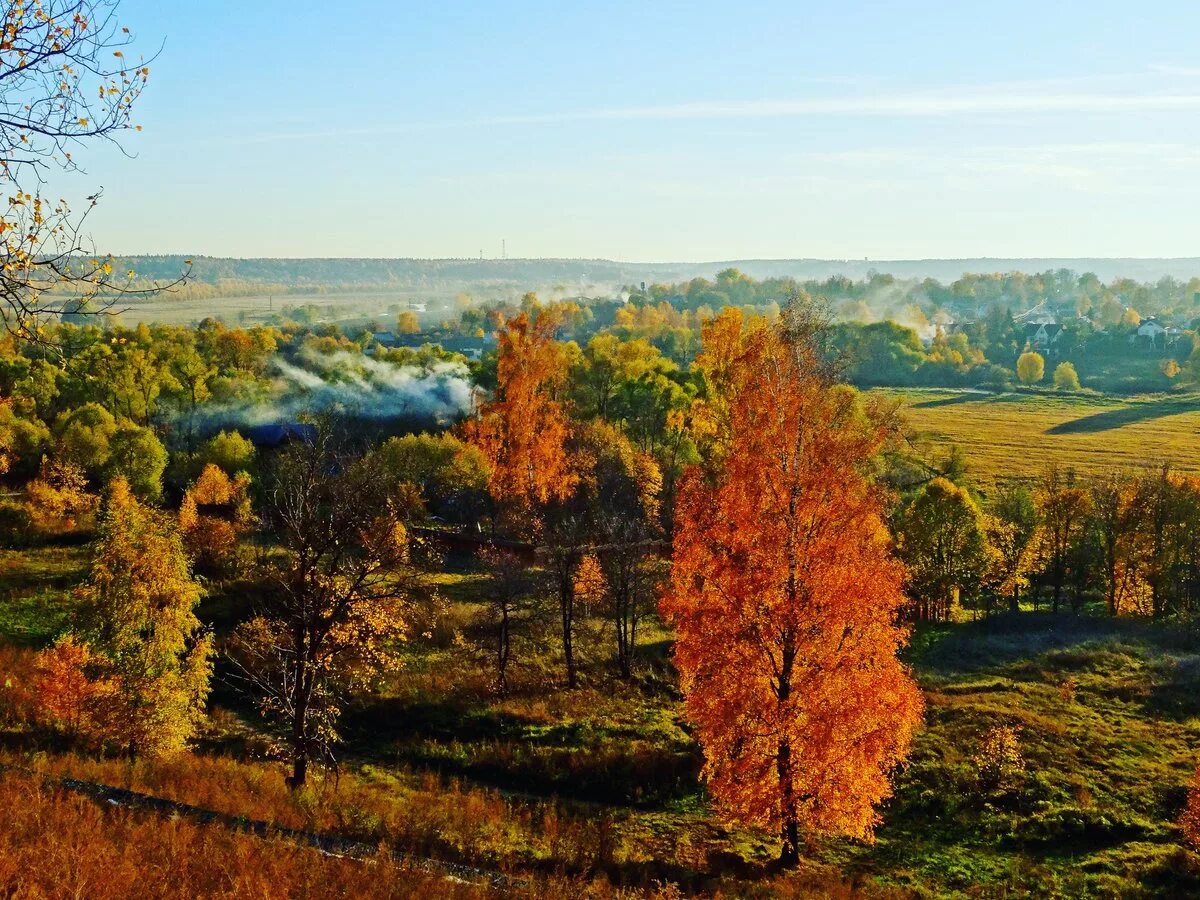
pixel 998 761
pixel 16 524
pixel 1066 378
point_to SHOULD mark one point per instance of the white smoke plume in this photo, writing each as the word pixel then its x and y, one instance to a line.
pixel 353 384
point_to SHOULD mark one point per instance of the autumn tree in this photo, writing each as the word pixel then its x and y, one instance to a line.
pixel 1065 377
pixel 1031 367
pixel 523 429
pixel 940 536
pixel 71 695
pixel 1063 506
pixel 214 515
pixel 338 596
pixel 784 595
pixel 1010 528
pixel 59 495
pixel 1118 515
pixel 408 323
pixel 523 433
pixel 137 613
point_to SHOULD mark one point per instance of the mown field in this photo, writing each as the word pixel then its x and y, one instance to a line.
pixel 594 792
pixel 1016 435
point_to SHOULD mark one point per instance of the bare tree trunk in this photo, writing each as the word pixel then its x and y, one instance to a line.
pixel 566 604
pixel 503 649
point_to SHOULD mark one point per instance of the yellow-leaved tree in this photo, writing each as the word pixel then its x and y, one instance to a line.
pixel 137 617
pixel 784 592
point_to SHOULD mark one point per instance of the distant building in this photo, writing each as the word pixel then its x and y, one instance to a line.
pixel 1151 331
pixel 386 339
pixel 266 437
pixel 1042 335
pixel 468 345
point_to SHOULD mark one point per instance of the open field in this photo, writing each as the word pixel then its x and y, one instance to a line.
pixel 1016 435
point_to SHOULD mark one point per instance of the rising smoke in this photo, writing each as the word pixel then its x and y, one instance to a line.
pixel 354 385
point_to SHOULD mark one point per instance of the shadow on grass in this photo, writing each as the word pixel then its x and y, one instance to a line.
pixel 575 760
pixel 1007 639
pixel 1174 692
pixel 949 401
pixel 1124 415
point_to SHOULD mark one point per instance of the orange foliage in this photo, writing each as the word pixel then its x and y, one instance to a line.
pixel 784 594
pixel 1189 821
pixel 522 431
pixel 67 696
pixel 212 539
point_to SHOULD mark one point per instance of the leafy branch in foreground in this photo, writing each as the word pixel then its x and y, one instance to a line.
pixel 66 82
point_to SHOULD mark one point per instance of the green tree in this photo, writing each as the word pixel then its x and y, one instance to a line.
pixel 83 436
pixel 941 539
pixel 228 451
pixel 136 455
pixel 451 475
pixel 137 612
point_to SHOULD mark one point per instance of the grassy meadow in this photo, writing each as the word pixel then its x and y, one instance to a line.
pixel 1016 435
pixel 595 792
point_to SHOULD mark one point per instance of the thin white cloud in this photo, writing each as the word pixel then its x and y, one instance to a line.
pixel 1149 91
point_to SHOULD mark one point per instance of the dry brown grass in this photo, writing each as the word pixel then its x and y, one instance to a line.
pixel 53 844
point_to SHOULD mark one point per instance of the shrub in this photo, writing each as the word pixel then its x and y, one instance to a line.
pixel 1066 378
pixel 16 524
pixel 998 760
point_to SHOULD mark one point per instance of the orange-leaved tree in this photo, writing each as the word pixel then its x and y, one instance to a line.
pixel 784 592
pixel 523 429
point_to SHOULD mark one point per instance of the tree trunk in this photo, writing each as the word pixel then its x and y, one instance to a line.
pixel 299 771
pixel 502 651
pixel 566 602
pixel 789 852
pixel 300 714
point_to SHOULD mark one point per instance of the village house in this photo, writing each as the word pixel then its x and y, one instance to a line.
pixel 1042 335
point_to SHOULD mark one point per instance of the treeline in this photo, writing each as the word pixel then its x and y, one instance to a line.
pixel 1124 543
pixel 880 296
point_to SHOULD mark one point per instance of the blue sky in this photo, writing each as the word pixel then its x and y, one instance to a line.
pixel 662 130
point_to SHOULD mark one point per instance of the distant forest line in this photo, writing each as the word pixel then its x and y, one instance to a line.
pixel 528 273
